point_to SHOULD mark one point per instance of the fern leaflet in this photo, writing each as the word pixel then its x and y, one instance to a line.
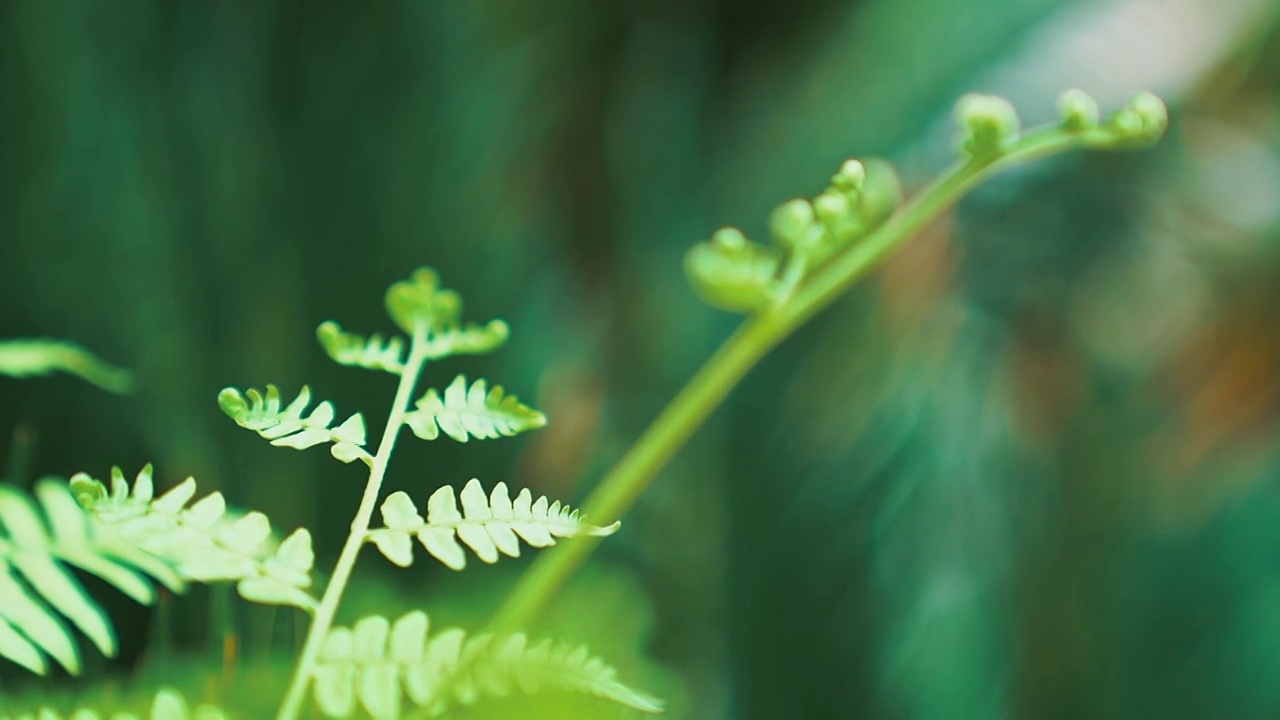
pixel 24 358
pixel 371 662
pixel 36 545
pixel 469 339
pixel 463 413
pixel 168 705
pixel 286 427
pixel 489 525
pixel 350 349
pixel 420 301
pixel 203 542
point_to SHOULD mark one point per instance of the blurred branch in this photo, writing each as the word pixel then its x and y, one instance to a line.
pixel 762 332
pixel 25 358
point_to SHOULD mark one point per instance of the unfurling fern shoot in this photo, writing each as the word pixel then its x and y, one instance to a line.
pixel 377 664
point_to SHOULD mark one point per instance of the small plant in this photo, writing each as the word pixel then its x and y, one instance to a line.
pixel 821 248
pixel 27 358
pixel 133 539
pixel 371 662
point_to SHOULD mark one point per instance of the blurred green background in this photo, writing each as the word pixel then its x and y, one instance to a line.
pixel 1031 469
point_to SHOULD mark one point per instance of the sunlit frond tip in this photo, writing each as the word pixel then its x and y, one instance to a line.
pixel 38 545
pixel 286 427
pixel 203 541
pixel 490 525
pixel 376 663
pixel 476 411
pixel 167 705
pixel 372 353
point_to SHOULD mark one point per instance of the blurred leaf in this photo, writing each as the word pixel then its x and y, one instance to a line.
pixel 25 358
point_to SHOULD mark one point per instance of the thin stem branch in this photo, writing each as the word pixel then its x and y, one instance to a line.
pixel 296 694
pixel 752 341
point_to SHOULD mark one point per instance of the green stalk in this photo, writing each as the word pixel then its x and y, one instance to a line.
pixel 296 694
pixel 752 341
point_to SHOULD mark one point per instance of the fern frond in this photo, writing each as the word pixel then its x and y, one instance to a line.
pixel 463 413
pixel 489 525
pixel 203 542
pixel 350 349
pixel 37 543
pixel 168 705
pixel 421 301
pixel 373 661
pixel 286 427
pixel 24 358
pixel 467 339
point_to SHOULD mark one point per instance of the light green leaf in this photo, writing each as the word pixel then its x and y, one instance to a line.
pixel 421 300
pixel 38 543
pixel 24 358
pixel 469 340
pixel 420 304
pixel 167 705
pixel 378 664
pixel 286 427
pixel 463 413
pixel 490 525
pixel 202 542
pixel 349 349
pixel 734 273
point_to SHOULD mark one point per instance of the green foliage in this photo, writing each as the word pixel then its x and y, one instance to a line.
pixel 203 541
pixel 286 427
pixel 168 705
pixel 469 339
pixel 489 525
pixel 371 662
pixel 372 353
pixel 37 544
pixel 25 358
pixel 420 302
pixel 344 665
pixel 463 413
pixel 988 125
pixel 733 273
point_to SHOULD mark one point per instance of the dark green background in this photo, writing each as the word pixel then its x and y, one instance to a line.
pixel 1029 470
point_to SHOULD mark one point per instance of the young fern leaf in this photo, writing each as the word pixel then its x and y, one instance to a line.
pixel 168 705
pixel 24 358
pixel 203 542
pixel 470 339
pixel 464 413
pixel 370 663
pixel 286 427
pixel 489 525
pixel 350 349
pixel 36 545
pixel 421 300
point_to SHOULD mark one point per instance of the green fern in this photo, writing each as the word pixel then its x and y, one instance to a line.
pixel 466 340
pixel 489 525
pixel 377 663
pixel 372 353
pixel 475 412
pixel 286 427
pixel 203 542
pixel 167 705
pixel 25 358
pixel 37 544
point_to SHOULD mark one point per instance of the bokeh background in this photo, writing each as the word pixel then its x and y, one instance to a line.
pixel 1030 469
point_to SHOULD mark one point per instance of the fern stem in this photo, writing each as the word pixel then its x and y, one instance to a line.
pixel 752 341
pixel 325 612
